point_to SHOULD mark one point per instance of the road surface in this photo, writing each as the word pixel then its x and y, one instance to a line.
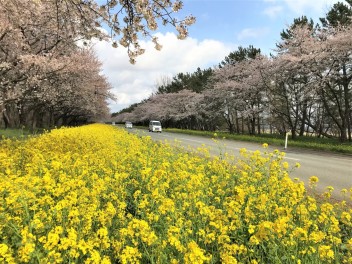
pixel 332 169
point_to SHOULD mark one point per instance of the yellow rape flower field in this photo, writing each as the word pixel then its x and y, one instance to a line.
pixel 97 194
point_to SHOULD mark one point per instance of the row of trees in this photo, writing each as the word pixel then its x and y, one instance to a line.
pixel 304 88
pixel 48 74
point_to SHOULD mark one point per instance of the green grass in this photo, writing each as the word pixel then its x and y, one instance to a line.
pixel 307 142
pixel 18 133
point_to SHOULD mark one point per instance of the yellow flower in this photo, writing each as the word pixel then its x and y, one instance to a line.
pixel 344 191
pixel 300 233
pixel 3 249
pixel 346 218
pixel 5 254
pixel 94 257
pixel 105 260
pixel 330 188
pixel 316 236
pixel 26 251
pixel 243 151
pixel 325 252
pixel 313 180
pixel 103 237
pixel 130 255
pixel 228 259
pixel 195 255
pixel 98 194
pixel 254 240
pixel 251 229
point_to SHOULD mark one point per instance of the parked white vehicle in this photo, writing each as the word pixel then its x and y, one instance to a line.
pixel 128 124
pixel 155 126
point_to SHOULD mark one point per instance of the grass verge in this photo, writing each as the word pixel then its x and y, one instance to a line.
pixel 18 133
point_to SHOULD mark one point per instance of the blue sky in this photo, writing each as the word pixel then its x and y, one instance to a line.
pixel 251 22
pixel 221 26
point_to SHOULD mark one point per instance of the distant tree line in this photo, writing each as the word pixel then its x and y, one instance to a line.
pixel 304 88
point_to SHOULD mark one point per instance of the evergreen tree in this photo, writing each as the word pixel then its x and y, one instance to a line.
pixel 240 55
pixel 297 22
pixel 195 82
pixel 340 14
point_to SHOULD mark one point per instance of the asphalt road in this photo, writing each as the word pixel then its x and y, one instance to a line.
pixel 332 169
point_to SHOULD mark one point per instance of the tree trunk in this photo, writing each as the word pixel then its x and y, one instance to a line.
pixel 253 125
pixel 258 125
pixel 347 112
pixel 231 130
pixel 5 118
pixel 304 117
pixel 11 116
pixel 294 134
pixel 237 123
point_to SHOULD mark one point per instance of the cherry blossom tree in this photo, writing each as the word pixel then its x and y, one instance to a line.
pixel 36 65
pixel 222 102
pixel 313 80
pixel 32 46
pixel 179 109
pixel 127 21
pixel 334 58
pixel 290 84
pixel 39 38
pixel 82 92
pixel 237 94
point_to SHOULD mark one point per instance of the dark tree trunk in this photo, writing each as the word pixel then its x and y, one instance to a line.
pixel 304 117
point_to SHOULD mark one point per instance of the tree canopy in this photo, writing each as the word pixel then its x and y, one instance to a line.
pixel 49 75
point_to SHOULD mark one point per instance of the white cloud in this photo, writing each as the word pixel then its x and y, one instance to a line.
pixel 301 6
pixel 295 8
pixel 133 83
pixel 273 11
pixel 252 33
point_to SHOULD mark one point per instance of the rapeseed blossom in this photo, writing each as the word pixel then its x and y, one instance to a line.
pixel 97 194
pixel 313 180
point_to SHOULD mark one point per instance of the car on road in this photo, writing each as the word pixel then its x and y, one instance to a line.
pixel 128 124
pixel 155 126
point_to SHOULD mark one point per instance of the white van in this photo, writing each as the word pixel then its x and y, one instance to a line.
pixel 128 124
pixel 155 126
